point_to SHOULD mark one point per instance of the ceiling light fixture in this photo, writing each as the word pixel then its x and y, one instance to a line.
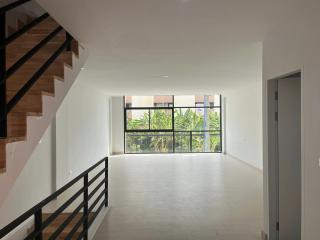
pixel 164 76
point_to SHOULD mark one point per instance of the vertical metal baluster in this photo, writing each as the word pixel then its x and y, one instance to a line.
pixel 106 175
pixel 3 90
pixel 69 39
pixel 190 141
pixel 149 119
pixel 173 132
pixel 221 123
pixel 85 207
pixel 38 223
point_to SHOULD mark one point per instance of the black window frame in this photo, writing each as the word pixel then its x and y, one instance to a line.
pixel 172 130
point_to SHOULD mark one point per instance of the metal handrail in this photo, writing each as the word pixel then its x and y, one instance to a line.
pixel 41 225
pixel 26 87
pixel 24 29
pixel 15 67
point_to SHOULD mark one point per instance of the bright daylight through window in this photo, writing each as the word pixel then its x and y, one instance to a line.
pixel 172 124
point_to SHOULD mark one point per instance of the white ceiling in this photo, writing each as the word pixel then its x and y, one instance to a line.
pixel 203 46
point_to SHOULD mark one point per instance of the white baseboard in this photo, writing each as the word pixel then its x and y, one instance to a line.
pixel 254 167
pixel 96 224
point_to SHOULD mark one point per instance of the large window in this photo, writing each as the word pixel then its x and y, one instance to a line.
pixel 172 124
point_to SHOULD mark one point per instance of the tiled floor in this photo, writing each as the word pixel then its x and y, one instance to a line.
pixel 182 197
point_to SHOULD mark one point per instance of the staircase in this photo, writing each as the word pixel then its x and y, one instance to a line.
pixel 52 228
pixel 48 231
pixel 73 218
pixel 31 109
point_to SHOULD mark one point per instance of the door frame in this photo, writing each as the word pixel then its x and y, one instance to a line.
pixel 272 151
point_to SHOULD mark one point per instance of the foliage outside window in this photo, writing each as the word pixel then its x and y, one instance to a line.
pixel 192 128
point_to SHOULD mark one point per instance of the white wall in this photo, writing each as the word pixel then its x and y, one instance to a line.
pixel 33 184
pixel 82 123
pixel 291 45
pixel 117 123
pixel 82 131
pixel 243 123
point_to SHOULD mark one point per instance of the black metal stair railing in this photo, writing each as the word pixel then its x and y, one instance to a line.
pixel 6 107
pixel 89 212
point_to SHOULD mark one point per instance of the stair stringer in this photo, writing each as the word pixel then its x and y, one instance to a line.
pixel 18 153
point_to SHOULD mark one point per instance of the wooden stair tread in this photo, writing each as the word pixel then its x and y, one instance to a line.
pixel 45 54
pixel 17 81
pixel 26 72
pixel 39 58
pixel 35 39
pixel 19 49
pixel 17 124
pixel 20 23
pixel 30 67
pixel 44 27
pixel 11 140
pixel 48 231
pixel 30 103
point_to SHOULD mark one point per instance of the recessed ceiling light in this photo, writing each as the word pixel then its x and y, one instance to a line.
pixel 164 76
pixel 83 68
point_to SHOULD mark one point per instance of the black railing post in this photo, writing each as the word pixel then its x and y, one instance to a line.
pixel 3 89
pixel 106 176
pixel 69 40
pixel 85 206
pixel 190 141
pixel 38 223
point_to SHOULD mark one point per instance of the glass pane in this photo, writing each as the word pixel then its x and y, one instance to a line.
pixel 206 119
pixel 184 119
pixel 190 119
pixel 206 142
pixel 197 113
pixel 148 101
pixel 161 119
pixel 182 142
pixel 149 142
pixel 198 142
pixel 215 143
pixel 137 119
pixel 214 119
